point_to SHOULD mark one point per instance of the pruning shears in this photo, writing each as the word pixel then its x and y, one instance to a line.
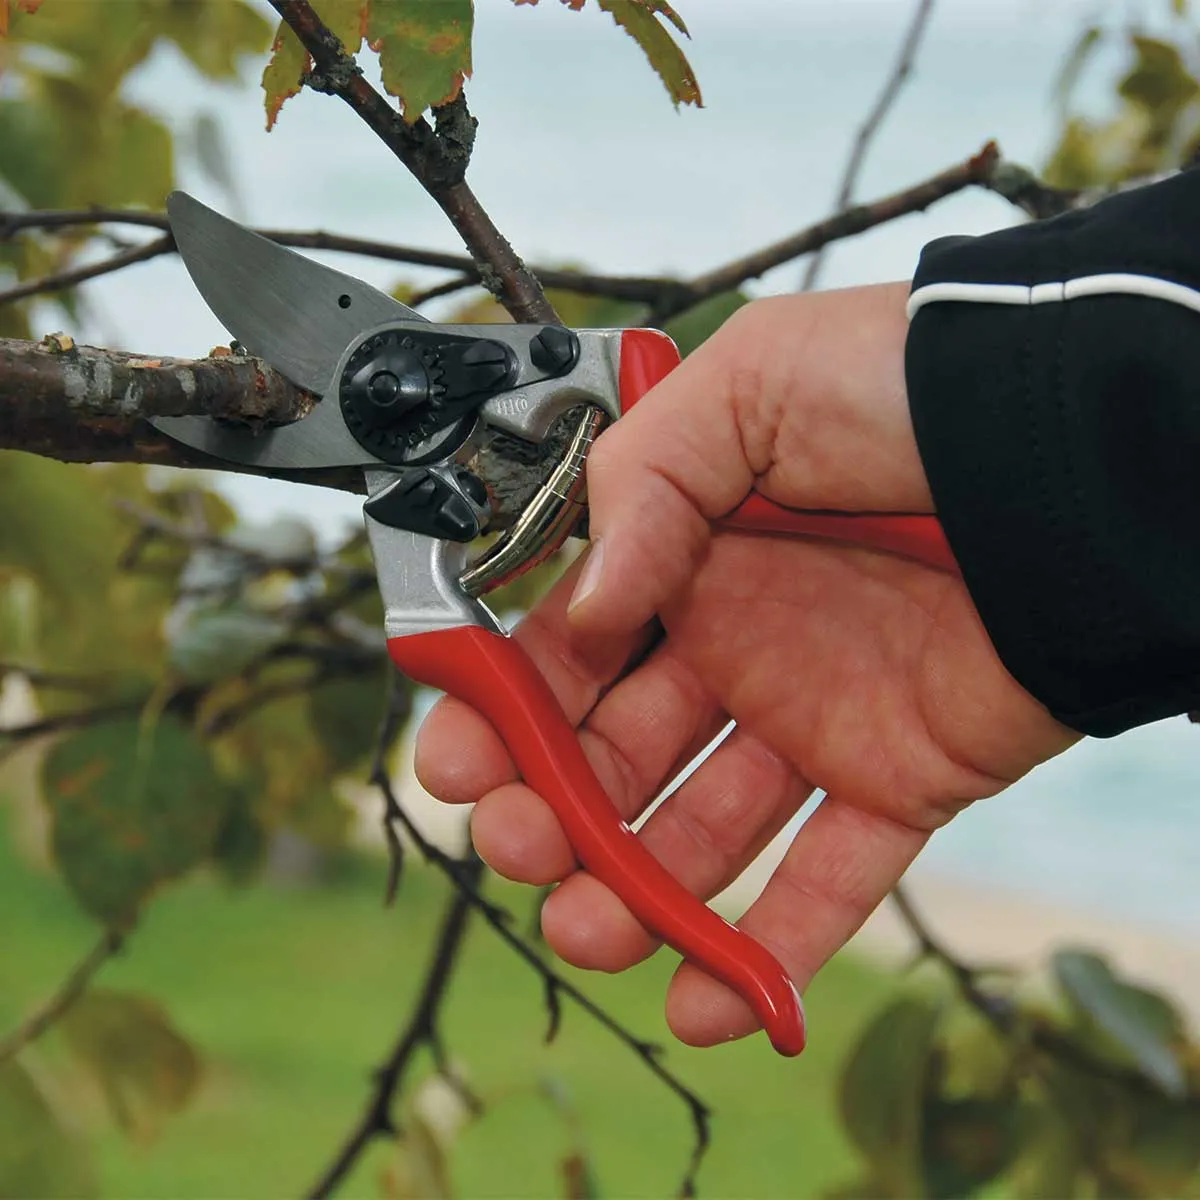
pixel 408 400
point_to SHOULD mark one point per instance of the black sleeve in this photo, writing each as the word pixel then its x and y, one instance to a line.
pixel 1057 411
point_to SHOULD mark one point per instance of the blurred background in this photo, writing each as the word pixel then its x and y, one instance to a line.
pixel 582 160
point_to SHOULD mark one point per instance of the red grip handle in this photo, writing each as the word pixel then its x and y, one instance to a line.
pixel 649 356
pixel 492 674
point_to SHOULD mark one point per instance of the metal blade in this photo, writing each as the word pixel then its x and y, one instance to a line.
pixel 284 308
pixel 289 311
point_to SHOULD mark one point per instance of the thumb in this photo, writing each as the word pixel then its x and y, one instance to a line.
pixel 801 397
pixel 656 479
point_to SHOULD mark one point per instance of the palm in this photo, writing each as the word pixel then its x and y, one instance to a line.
pixel 871 675
pixel 854 672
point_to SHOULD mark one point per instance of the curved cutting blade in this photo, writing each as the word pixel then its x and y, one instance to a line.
pixel 291 312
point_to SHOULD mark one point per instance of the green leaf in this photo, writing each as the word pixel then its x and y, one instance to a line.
pixel 216 36
pixel 29 163
pixel 287 64
pixel 702 320
pixel 241 845
pixel 882 1088
pixel 140 167
pixel 38 1155
pixel 424 49
pixel 1159 1152
pixel 347 21
pixel 1050 1161
pixel 639 18
pixel 131 807
pixel 1141 1023
pixel 346 713
pixel 1159 80
pixel 967 1143
pixel 66 539
pixel 145 1068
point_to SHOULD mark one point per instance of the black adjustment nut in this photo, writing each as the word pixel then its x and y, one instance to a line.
pixel 555 350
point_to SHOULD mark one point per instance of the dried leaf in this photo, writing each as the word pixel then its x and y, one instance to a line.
pixel 285 68
pixel 146 1069
pixel 424 49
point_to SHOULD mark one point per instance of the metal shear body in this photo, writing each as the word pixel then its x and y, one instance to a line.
pixel 406 399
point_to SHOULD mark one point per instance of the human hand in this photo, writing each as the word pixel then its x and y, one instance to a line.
pixel 845 669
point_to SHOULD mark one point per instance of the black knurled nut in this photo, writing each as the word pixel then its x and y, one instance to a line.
pixel 555 350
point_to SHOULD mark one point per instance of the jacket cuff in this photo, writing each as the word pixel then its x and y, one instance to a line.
pixel 1054 381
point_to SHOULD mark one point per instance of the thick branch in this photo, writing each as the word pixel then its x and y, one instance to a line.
pixel 88 405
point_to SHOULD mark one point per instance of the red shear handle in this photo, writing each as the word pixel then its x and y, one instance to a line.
pixel 921 538
pixel 648 356
pixel 492 673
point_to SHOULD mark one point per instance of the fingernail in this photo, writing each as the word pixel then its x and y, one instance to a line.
pixel 590 575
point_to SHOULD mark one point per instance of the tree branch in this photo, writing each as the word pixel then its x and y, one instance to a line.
pixel 75 984
pixel 438 162
pixel 899 73
pixel 422 1030
pixel 63 281
pixel 639 288
pixel 1006 1019
pixel 556 986
pixel 977 171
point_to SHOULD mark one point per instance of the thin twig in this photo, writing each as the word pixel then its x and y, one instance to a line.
pixel 77 719
pixel 502 923
pixel 457 283
pixel 395 714
pixel 377 1119
pixel 61 281
pixel 75 984
pixel 1009 1022
pixel 974 172
pixel 665 296
pixel 901 69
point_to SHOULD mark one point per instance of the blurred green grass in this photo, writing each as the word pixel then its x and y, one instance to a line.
pixel 293 994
